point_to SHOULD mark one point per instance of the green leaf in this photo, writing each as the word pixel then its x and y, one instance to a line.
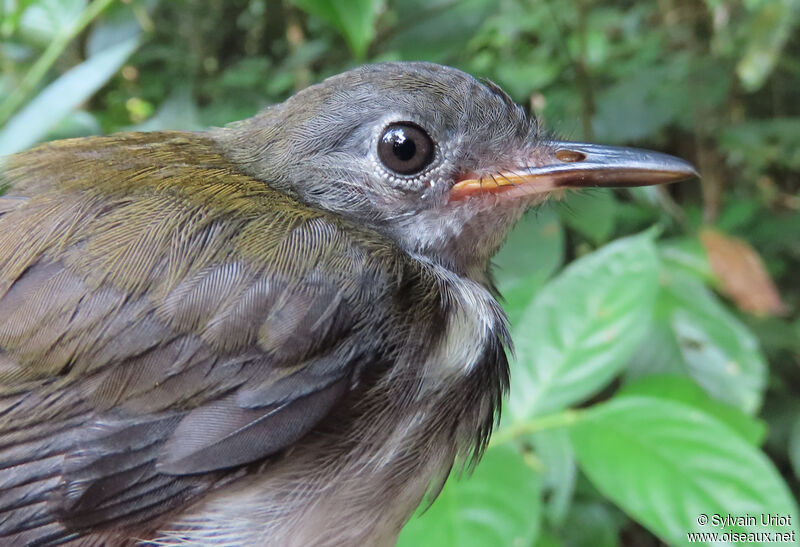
pixel 435 30
pixel 532 252
pixel 666 464
pixel 554 450
pixel 44 19
pixel 739 212
pixel 591 214
pixel 355 19
pixel 118 24
pixel 693 334
pixel 178 111
pixel 59 98
pixel 757 145
pixel 682 390
pixel 768 31
pixel 644 102
pixel 79 123
pixel 583 327
pixel 525 76
pixel 686 255
pixel 717 350
pixel 658 353
pixel 498 505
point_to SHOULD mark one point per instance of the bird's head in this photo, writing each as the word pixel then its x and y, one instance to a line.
pixel 441 162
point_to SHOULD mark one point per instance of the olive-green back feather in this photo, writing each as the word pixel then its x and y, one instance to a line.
pixel 154 296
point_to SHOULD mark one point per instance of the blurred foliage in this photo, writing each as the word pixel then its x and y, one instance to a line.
pixel 648 387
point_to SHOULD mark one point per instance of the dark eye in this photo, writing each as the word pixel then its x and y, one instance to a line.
pixel 405 148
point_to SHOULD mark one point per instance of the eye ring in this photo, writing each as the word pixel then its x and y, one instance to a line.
pixel 405 148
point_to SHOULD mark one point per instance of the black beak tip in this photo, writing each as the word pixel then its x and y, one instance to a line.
pixel 599 165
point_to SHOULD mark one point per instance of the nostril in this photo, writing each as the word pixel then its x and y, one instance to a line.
pixel 570 156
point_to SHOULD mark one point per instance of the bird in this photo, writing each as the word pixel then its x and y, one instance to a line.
pixel 281 332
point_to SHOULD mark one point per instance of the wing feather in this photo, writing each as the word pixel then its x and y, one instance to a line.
pixel 156 338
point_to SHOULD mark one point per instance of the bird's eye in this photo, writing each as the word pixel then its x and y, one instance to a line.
pixel 405 148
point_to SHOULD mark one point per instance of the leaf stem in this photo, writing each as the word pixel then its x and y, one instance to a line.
pixel 50 55
pixel 525 427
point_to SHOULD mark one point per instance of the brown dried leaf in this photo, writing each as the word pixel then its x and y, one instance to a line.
pixel 741 272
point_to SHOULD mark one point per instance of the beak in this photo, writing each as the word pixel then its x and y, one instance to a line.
pixel 580 165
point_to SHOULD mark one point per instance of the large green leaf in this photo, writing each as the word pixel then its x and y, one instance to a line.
pixel 667 464
pixel 705 341
pixel 532 252
pixel 498 505
pixel 686 255
pixel 61 97
pixel 118 24
pixel 683 390
pixel 583 327
pixel 355 19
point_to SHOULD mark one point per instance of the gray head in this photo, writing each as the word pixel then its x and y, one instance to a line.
pixel 426 154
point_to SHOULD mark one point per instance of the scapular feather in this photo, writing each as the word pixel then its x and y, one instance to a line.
pixel 151 313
